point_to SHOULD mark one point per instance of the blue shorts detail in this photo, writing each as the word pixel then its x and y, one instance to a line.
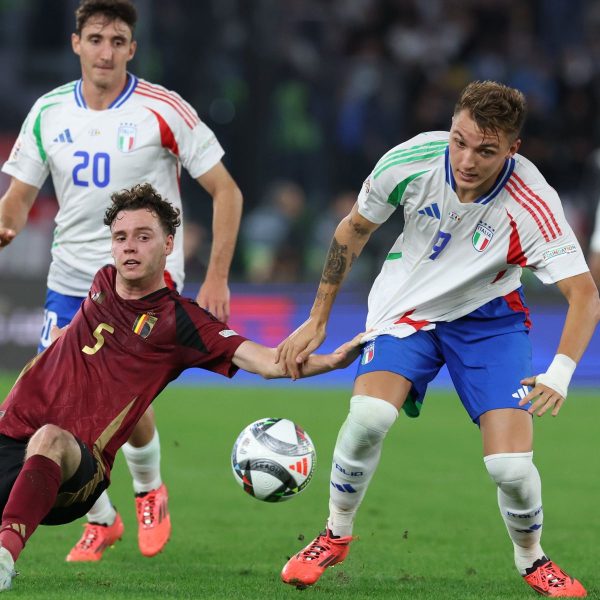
pixel 59 310
pixel 487 353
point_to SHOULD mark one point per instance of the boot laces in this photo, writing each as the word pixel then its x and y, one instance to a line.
pixel 318 547
pixel 553 576
pixel 146 509
pixel 90 535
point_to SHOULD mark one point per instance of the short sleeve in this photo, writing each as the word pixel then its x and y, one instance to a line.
pixel 395 176
pixel 27 160
pixel 205 341
pixel 555 253
pixel 595 241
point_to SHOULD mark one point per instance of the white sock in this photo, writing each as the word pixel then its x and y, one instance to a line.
pixel 520 503
pixel 103 511
pixel 355 459
pixel 144 464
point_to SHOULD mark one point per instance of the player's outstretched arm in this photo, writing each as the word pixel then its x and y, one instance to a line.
pixel 550 388
pixel 227 211
pixel 259 359
pixel 14 209
pixel 349 239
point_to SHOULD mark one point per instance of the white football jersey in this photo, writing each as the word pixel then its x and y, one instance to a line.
pixel 452 257
pixel 595 241
pixel 145 136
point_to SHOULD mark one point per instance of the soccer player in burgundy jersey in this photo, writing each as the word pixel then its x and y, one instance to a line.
pixel 75 404
pixel 107 131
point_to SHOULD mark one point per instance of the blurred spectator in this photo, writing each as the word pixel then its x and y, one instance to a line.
pixel 315 92
pixel 196 250
pixel 274 235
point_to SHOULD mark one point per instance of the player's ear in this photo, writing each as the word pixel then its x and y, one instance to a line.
pixel 514 147
pixel 132 49
pixel 76 43
pixel 169 244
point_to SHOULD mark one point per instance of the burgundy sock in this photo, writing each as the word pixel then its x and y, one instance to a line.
pixel 30 500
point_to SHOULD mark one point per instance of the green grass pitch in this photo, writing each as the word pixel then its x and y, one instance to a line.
pixel 429 527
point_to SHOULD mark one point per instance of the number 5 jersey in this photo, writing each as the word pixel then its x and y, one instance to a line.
pixel 110 363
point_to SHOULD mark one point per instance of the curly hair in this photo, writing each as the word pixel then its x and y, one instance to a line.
pixel 144 196
pixel 494 107
pixel 110 9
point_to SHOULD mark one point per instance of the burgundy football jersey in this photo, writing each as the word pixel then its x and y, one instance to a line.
pixel 115 357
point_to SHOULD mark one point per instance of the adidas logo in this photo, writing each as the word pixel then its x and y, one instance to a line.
pixel 431 211
pixel 346 487
pixel 521 392
pixel 65 136
pixel 300 467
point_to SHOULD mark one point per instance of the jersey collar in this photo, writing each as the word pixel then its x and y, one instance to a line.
pixel 509 165
pixel 126 92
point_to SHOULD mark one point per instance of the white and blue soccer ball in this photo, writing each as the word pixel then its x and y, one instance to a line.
pixel 273 459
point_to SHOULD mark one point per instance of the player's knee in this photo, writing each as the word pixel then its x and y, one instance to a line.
pixel 49 440
pixel 511 470
pixel 372 413
pixel 368 422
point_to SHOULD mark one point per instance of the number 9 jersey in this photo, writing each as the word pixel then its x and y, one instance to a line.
pixel 146 135
pixel 454 257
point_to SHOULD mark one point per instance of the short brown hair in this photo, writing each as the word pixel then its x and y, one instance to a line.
pixel 494 106
pixel 144 196
pixel 110 9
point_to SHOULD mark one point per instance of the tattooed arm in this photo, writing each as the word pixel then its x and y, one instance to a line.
pixel 349 239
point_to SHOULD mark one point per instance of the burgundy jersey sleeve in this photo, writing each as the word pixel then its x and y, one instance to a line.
pixel 203 340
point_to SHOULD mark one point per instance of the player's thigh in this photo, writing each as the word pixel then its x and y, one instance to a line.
pixel 384 385
pixel 506 430
pixel 77 495
pixel 59 310
pixel 398 370
pixel 12 455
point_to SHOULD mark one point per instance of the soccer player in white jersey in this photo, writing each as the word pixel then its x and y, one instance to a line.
pixel 476 213
pixel 595 248
pixel 94 136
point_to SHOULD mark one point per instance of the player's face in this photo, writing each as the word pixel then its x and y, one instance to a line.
pixel 104 48
pixel 140 248
pixel 476 158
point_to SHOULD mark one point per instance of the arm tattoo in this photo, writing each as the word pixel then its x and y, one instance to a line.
pixel 359 229
pixel 321 297
pixel 335 263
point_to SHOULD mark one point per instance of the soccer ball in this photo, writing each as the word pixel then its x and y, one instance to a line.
pixel 273 459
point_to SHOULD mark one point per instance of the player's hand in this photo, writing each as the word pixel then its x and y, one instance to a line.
pixel 542 398
pixel 6 236
pixel 347 353
pixel 56 332
pixel 214 296
pixel 296 348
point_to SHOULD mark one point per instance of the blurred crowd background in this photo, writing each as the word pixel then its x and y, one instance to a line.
pixel 306 95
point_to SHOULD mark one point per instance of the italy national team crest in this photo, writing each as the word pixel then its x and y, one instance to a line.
pixel 482 236
pixel 368 353
pixel 143 324
pixel 126 137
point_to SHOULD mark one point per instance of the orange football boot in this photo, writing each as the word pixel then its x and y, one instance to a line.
pixel 548 579
pixel 95 540
pixel 308 565
pixel 154 522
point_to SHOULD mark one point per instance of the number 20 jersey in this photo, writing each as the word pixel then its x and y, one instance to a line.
pixel 146 135
pixel 454 257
